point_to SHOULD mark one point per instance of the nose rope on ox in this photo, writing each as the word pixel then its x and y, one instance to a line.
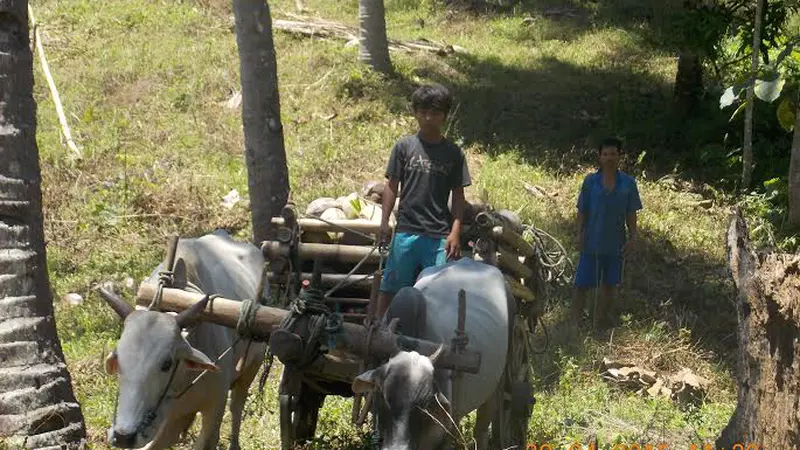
pixel 152 413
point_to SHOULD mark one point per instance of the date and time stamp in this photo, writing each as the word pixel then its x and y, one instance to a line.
pixel 641 446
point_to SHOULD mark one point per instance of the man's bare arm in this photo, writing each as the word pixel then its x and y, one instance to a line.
pixel 389 198
pixel 458 210
pixel 633 230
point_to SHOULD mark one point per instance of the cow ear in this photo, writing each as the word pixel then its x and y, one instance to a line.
pixel 195 359
pixel 111 363
pixel 369 381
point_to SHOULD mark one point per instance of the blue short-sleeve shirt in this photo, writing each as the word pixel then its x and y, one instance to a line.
pixel 606 211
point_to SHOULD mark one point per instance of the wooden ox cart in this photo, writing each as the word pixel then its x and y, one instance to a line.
pixel 321 292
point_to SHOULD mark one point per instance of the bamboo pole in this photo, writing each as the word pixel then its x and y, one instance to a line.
pixel 53 91
pixel 316 225
pixel 339 253
pixel 513 240
pixel 508 261
pixel 328 280
pixel 355 301
pixel 519 291
pixel 351 338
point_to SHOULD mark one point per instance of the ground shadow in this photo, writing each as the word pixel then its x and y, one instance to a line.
pixel 661 283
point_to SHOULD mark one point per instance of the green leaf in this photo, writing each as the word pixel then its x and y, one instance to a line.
pixel 772 183
pixel 738 110
pixel 641 157
pixel 769 91
pixel 728 97
pixel 356 204
pixel 786 115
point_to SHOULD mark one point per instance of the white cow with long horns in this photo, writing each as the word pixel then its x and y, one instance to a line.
pixel 157 364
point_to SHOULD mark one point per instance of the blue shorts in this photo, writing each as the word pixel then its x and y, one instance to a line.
pixel 592 268
pixel 409 255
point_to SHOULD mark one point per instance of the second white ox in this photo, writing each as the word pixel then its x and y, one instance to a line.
pixel 156 363
pixel 414 397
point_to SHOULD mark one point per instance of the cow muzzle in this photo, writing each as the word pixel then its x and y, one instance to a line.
pixel 120 440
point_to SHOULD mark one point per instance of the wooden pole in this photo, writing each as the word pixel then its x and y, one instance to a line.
pixel 351 338
pixel 507 261
pixel 339 253
pixel 513 240
pixel 315 225
pixel 355 301
pixel 328 280
pixel 519 291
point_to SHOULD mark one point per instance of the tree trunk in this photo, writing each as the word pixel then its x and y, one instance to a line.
pixel 689 77
pixel 794 174
pixel 768 409
pixel 747 146
pixel 373 43
pixel 688 83
pixel 267 174
pixel 37 406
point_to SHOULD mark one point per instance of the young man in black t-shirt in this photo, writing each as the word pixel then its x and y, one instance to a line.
pixel 428 167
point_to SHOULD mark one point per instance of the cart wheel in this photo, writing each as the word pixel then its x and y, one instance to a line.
pixel 510 422
pixel 299 410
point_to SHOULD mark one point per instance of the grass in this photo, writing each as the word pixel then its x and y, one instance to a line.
pixel 143 85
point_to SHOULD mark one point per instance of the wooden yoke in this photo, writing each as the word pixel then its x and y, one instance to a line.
pixel 351 338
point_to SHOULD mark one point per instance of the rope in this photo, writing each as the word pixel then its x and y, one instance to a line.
pixel 165 279
pixel 554 263
pixel 247 318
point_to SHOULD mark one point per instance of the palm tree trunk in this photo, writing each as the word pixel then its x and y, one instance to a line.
pixel 794 175
pixel 689 76
pixel 268 176
pixel 373 43
pixel 747 146
pixel 37 406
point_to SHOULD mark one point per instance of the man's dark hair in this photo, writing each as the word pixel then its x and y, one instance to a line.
pixel 610 142
pixel 432 96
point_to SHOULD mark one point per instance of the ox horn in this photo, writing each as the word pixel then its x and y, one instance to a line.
pixel 188 316
pixel 115 302
pixel 438 353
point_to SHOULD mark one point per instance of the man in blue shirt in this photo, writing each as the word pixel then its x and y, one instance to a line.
pixel 607 205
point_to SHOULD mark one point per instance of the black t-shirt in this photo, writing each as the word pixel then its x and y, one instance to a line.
pixel 427 173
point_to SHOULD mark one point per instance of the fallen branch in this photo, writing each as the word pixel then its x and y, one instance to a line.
pixel 334 30
pixel 53 91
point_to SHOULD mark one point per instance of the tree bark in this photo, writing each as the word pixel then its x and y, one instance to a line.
pixel 267 173
pixel 688 83
pixel 768 304
pixel 689 76
pixel 38 408
pixel 794 174
pixel 747 146
pixel 373 43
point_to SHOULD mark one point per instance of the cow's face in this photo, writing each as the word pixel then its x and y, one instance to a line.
pixel 412 413
pixel 151 359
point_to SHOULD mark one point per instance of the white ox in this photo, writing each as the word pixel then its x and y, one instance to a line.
pixel 412 392
pixel 156 363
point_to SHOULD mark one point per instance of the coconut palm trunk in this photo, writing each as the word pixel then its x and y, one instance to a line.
pixel 38 408
pixel 265 155
pixel 373 43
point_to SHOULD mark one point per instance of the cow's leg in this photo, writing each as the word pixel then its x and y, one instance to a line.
pixel 238 398
pixel 170 433
pixel 212 419
pixel 482 421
